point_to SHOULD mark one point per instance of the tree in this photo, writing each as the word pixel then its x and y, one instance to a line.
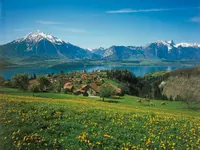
pixel 34 88
pixel 191 101
pixel 125 88
pixel 20 81
pixel 58 85
pixel 2 80
pixel 45 84
pixel 107 91
pixel 34 76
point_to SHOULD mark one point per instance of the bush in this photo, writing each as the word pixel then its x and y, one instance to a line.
pixel 125 88
pixel 20 81
pixel 45 84
pixel 2 80
pixel 35 88
pixel 191 101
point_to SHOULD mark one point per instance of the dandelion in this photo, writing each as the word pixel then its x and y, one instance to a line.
pixel 9 121
pixel 107 136
pixel 98 143
pixel 148 142
pixel 58 113
pixel 133 147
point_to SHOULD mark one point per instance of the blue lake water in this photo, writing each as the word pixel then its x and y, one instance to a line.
pixel 137 70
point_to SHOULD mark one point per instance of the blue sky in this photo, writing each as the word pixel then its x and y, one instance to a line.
pixel 95 23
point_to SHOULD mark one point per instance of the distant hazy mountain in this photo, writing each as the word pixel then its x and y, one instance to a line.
pixel 123 52
pixel 156 50
pixel 98 51
pixel 41 44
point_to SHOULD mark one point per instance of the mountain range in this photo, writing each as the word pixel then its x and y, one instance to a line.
pixel 40 44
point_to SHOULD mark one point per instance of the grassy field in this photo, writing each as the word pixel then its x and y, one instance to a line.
pixel 111 82
pixel 157 73
pixel 71 122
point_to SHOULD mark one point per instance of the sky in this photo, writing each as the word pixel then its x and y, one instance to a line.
pixel 102 23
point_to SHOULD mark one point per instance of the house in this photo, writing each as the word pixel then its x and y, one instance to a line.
pixel 117 90
pixel 83 76
pixel 68 87
pixel 88 89
pixel 95 87
pixel 80 92
pixel 66 79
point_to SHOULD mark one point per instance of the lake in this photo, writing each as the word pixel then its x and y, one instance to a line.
pixel 137 70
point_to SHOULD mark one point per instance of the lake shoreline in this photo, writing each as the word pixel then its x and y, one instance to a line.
pixel 138 70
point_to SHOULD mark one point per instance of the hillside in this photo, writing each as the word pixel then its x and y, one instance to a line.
pixel 4 63
pixel 86 123
pixel 184 83
pixel 180 84
pixel 54 120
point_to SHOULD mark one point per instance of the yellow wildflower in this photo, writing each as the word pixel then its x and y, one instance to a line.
pixel 98 143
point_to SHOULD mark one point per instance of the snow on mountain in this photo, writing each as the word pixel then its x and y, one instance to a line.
pixel 168 44
pixel 98 51
pixel 171 42
pixel 100 48
pixel 159 49
pixel 187 45
pixel 89 49
pixel 39 43
pixel 37 36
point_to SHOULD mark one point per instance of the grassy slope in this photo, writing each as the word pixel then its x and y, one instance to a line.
pixel 157 73
pixel 111 82
pixel 44 95
pixel 73 122
pixel 125 100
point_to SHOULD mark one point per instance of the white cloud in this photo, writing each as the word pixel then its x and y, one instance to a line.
pixel 47 22
pixel 134 10
pixel 128 10
pixel 195 19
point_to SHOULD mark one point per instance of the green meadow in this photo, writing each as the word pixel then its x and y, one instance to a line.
pixel 62 121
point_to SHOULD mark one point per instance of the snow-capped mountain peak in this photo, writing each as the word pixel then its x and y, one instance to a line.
pixel 165 43
pixel 171 42
pixel 187 45
pixel 40 44
pixel 37 36
pixel 89 49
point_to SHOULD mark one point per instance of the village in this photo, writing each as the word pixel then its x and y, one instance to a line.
pixel 78 83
